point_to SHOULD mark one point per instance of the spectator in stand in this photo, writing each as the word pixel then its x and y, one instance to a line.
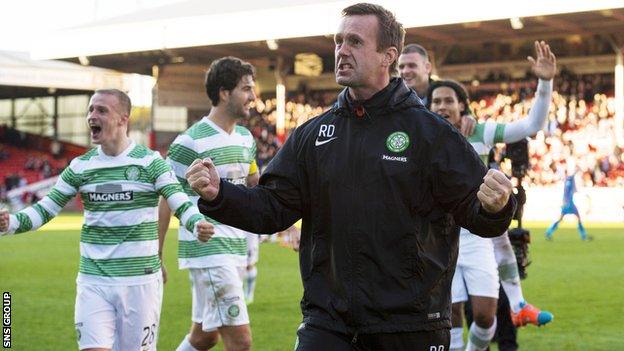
pixel 3 194
pixel 3 153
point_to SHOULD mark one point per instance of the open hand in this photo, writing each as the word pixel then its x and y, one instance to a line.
pixel 545 64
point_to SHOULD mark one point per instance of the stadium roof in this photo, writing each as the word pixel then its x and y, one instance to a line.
pixel 586 34
pixel 194 23
pixel 22 77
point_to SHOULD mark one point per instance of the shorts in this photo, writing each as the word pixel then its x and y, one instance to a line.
pixel 476 273
pixel 312 338
pixel 569 209
pixel 253 248
pixel 218 298
pixel 118 317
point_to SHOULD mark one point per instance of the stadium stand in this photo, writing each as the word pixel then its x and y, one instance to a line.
pixel 27 158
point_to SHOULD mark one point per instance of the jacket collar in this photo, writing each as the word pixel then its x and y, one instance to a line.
pixel 395 96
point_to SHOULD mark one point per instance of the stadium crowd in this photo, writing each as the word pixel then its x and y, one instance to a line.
pixel 581 128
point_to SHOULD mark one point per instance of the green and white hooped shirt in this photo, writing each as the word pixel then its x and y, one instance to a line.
pixel 234 156
pixel 119 237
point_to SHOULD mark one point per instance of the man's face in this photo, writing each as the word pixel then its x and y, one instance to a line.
pixel 414 69
pixel 445 103
pixel 358 64
pixel 105 117
pixel 240 98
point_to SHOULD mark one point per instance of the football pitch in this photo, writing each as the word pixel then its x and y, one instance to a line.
pixel 580 282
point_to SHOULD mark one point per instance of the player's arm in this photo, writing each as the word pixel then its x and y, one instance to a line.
pixel 180 205
pixel 164 217
pixel 545 67
pixel 254 175
pixel 35 216
pixel 526 127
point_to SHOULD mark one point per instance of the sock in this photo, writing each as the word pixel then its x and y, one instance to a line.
pixel 185 345
pixel 479 338
pixel 457 339
pixel 581 230
pixel 552 228
pixel 508 271
pixel 250 278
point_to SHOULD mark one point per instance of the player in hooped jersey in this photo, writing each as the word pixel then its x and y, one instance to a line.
pixel 119 284
pixel 476 274
pixel 217 269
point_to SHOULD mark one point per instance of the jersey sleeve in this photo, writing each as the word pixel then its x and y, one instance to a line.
pixel 167 185
pixel 253 166
pixel 180 157
pixel 526 127
pixel 493 133
pixel 35 216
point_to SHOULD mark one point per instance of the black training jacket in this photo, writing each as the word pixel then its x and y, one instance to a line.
pixel 381 188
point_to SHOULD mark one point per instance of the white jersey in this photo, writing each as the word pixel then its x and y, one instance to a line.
pixel 233 156
pixel 119 237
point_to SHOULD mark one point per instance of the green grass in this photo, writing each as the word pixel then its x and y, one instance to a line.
pixel 580 282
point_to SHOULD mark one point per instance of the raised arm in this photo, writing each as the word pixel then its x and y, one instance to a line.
pixel 544 66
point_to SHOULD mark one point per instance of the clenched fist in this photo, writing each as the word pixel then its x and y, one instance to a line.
pixel 202 176
pixel 495 191
pixel 205 231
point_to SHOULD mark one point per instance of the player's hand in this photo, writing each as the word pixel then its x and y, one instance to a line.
pixel 164 272
pixel 4 221
pixel 295 238
pixel 205 231
pixel 544 66
pixel 203 178
pixel 495 191
pixel 468 124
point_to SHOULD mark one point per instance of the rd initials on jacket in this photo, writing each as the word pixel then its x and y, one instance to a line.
pixel 326 132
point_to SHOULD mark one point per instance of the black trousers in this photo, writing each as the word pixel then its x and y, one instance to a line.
pixel 314 338
pixel 506 332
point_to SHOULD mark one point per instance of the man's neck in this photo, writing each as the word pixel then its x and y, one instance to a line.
pixel 421 89
pixel 365 93
pixel 222 119
pixel 116 147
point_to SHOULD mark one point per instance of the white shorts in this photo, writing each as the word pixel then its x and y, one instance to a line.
pixel 476 273
pixel 218 298
pixel 253 249
pixel 118 317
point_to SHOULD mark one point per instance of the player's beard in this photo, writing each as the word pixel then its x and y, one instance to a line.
pixel 238 111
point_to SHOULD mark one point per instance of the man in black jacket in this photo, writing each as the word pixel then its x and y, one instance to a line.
pixel 381 185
